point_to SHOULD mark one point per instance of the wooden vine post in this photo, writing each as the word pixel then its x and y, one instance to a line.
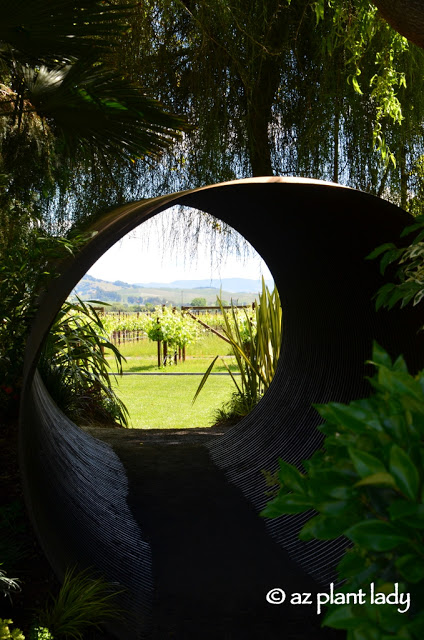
pixel 159 349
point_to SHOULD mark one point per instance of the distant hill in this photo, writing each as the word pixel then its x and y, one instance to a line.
pixel 240 290
pixel 234 285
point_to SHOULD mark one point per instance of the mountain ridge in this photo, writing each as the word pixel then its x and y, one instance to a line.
pixel 177 293
pixel 234 285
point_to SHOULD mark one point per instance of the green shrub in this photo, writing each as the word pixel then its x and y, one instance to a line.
pixel 7 634
pixel 74 367
pixel 28 263
pixel 238 406
pixel 366 484
pixel 39 633
pixel 177 329
pixel 410 268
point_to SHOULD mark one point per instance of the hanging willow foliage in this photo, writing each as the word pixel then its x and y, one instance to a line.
pixel 323 89
pixel 319 89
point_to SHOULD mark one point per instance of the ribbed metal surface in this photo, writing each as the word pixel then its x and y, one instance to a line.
pixel 314 238
pixel 78 491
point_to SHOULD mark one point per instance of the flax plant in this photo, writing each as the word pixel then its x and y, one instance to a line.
pixel 255 340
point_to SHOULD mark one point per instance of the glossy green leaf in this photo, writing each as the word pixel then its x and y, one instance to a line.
pixel 366 631
pixel 325 527
pixel 390 256
pixel 365 463
pixel 411 512
pixel 334 508
pixel 379 479
pixel 411 567
pixel 380 249
pixel 291 477
pixel 380 356
pixel 342 617
pixel 352 416
pixel 404 471
pixel 376 535
pixel 286 504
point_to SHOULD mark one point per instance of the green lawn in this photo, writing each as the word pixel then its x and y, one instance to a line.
pixel 162 401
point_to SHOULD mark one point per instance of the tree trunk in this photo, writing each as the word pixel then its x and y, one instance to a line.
pixel 260 99
pixel 405 16
pixel 258 141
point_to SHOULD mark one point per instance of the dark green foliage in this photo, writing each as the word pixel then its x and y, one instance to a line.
pixel 74 367
pixel 38 31
pixel 39 633
pixel 238 406
pixel 13 541
pixel 29 262
pixel 410 269
pixel 83 603
pixel 320 89
pixel 9 634
pixel 366 484
pixel 66 112
pixel 255 340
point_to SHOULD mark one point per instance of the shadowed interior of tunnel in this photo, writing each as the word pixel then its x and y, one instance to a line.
pixel 118 502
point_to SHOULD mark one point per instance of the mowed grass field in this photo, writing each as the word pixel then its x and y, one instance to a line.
pixel 165 401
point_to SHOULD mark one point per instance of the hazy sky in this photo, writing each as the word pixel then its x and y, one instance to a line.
pixel 143 256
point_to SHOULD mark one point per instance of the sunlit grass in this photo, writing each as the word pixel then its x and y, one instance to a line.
pixel 164 402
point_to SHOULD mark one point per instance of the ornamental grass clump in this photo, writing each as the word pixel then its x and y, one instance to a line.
pixel 255 340
pixel 83 603
pixel 74 367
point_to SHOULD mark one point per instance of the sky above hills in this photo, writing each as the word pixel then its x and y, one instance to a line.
pixel 135 260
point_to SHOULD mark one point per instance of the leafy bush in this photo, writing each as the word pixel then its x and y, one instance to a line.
pixel 7 634
pixel 177 329
pixel 83 602
pixel 238 406
pixel 410 272
pixel 74 367
pixel 26 266
pixel 40 633
pixel 366 484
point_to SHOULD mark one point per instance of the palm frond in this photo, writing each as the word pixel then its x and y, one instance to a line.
pixel 52 32
pixel 95 109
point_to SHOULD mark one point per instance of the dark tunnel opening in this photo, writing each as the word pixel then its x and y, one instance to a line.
pixel 314 238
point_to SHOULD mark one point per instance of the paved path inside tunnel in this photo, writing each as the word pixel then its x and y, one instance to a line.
pixel 213 559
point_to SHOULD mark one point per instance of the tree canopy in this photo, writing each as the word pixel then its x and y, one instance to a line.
pixel 317 88
pixel 322 89
pixel 65 110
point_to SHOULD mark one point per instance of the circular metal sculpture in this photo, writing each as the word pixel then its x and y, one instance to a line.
pixel 314 237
